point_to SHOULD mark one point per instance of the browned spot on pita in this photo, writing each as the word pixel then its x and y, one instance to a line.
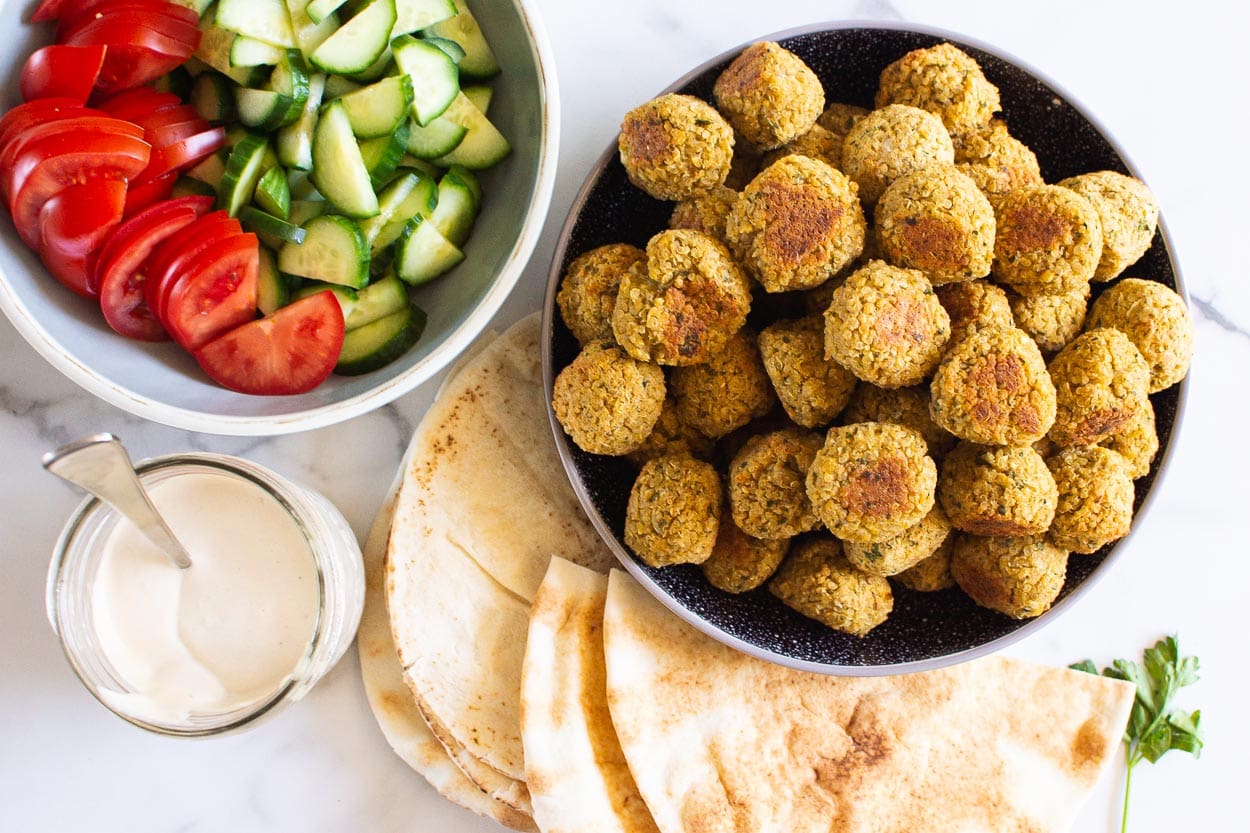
pixel 877 489
pixel 1088 747
pixel 1030 228
pixel 933 243
pixel 799 220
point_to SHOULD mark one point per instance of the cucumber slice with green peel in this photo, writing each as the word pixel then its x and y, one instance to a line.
pixel 480 95
pixel 290 76
pixel 187 186
pixel 264 20
pixel 375 70
pixel 214 51
pixel 422 253
pixel 438 138
pixel 379 109
pixel 479 61
pixel 380 342
pixel 421 202
pixel 469 180
pixel 294 141
pixel 272 231
pixel 334 251
pixel 338 86
pixel 458 201
pixel 319 10
pixel 197 6
pixel 309 34
pixel 209 171
pixel 273 289
pixel 428 168
pixel 389 201
pixel 339 171
pixel 452 48
pixel 382 155
pixel 412 15
pixel 302 187
pixel 273 193
pixel 359 42
pixel 346 296
pixel 249 52
pixel 304 210
pixel 265 109
pixel 483 144
pixel 212 96
pixel 177 81
pixel 385 296
pixel 435 80
pixel 244 167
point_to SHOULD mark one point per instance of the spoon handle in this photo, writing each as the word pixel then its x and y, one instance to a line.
pixel 100 465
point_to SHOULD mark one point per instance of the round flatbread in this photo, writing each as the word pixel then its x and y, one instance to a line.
pixel 721 742
pixel 578 777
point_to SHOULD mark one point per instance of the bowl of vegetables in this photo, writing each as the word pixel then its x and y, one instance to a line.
pixel 257 217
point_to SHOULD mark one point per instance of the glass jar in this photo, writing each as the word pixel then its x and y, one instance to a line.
pixel 76 564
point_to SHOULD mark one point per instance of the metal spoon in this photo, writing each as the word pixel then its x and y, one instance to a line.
pixel 100 465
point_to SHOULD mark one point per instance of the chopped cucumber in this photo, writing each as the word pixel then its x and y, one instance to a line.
pixel 249 52
pixel 302 186
pixel 266 109
pixel 294 141
pixel 438 138
pixel 197 6
pixel 273 193
pixel 452 48
pixel 212 97
pixel 243 170
pixel 389 202
pixel 319 10
pixel 177 81
pixel 214 51
pixel 377 69
pixel 480 95
pixel 411 15
pixel 429 168
pixel 187 186
pixel 273 289
pixel 483 144
pixel 382 155
pixel 264 20
pixel 338 86
pixel 304 210
pixel 383 297
pixel 272 231
pixel 458 203
pixel 210 171
pixel 380 342
pixel 379 109
pixel 435 80
pixel 420 202
pixel 346 296
pixel 333 251
pixel 359 42
pixel 308 34
pixel 422 253
pixel 479 61
pixel 338 168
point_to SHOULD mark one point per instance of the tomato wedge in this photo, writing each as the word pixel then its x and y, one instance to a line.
pixel 59 161
pixel 25 116
pixel 289 352
pixel 167 261
pixel 216 293
pixel 145 191
pixel 136 54
pixel 62 72
pixel 74 224
pixel 138 103
pixel 156 14
pixel 49 10
pixel 187 152
pixel 124 244
pixel 39 135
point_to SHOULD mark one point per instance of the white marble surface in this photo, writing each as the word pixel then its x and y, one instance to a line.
pixel 1165 78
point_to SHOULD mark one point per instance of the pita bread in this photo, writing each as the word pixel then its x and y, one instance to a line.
pixel 481 509
pixel 719 741
pixel 574 765
pixel 393 705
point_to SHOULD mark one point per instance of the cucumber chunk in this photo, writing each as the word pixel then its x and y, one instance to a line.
pixel 380 342
pixel 187 186
pixel 304 210
pixel 422 253
pixel 389 201
pixel 378 109
pixel 319 10
pixel 338 86
pixel 435 80
pixel 411 15
pixel 243 170
pixel 249 52
pixel 212 97
pixel 294 141
pixel 458 203
pixel 383 297
pixel 480 95
pixel 308 33
pixel 273 193
pixel 334 251
pixel 214 50
pixel 420 202
pixel 483 145
pixel 272 231
pixel 346 296
pixel 210 171
pixel 438 138
pixel 264 20
pixel 273 289
pixel 266 109
pixel 453 49
pixel 359 42
pixel 382 155
pixel 479 61
pixel 338 168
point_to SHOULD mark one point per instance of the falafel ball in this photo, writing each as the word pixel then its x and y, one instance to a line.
pixel 972 306
pixel 1050 320
pixel 1019 577
pixel 996 161
pixel 1095 498
pixel 588 290
pixel 796 224
pixel 903 551
pixel 908 407
pixel 674 511
pixel 767 484
pixel 684 304
pixel 871 481
pixel 675 146
pixel 740 563
pixel 817 581
pixel 727 391
pixel 890 142
pixel 817 142
pixel 705 212
pixel 672 435
pixel 812 389
pixel 1155 319
pixel 1048 240
pixel 944 80
pixel 1137 442
pixel 931 574
pixel 993 388
pixel 936 220
pixel 607 401
pixel 769 95
pixel 997 490
pixel 1129 213
pixel 886 326
pixel 838 117
pixel 1101 383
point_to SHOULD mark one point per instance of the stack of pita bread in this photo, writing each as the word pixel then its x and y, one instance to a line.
pixel 530 683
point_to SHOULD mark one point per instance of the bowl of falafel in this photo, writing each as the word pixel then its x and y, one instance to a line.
pixel 864 348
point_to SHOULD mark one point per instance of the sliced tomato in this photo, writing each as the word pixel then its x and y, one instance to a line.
pixel 145 191
pixel 158 119
pixel 62 72
pixel 136 54
pixel 40 134
pixel 50 10
pixel 216 293
pixel 188 151
pixel 166 262
pixel 123 242
pixel 289 352
pixel 138 103
pixel 157 14
pixel 63 160
pixel 25 116
pixel 73 226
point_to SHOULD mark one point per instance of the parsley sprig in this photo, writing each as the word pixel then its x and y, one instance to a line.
pixel 1154 726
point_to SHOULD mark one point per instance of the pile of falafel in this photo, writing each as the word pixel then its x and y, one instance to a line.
pixel 946 411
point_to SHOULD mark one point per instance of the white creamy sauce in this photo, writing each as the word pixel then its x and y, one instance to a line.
pixel 222 634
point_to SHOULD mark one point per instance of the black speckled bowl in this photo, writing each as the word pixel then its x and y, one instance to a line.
pixel 926 630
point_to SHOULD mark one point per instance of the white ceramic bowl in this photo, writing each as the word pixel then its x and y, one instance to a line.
pixel 162 383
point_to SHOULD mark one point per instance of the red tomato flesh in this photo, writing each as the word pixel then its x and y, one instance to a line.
pixel 62 72
pixel 25 116
pixel 74 224
pixel 49 10
pixel 186 152
pixel 167 261
pixel 157 14
pixel 138 103
pixel 146 191
pixel 289 352
pixel 124 271
pixel 215 293
pixel 21 152
pixel 129 235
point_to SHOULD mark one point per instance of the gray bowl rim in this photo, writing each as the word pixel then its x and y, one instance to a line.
pixel 689 616
pixel 33 332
